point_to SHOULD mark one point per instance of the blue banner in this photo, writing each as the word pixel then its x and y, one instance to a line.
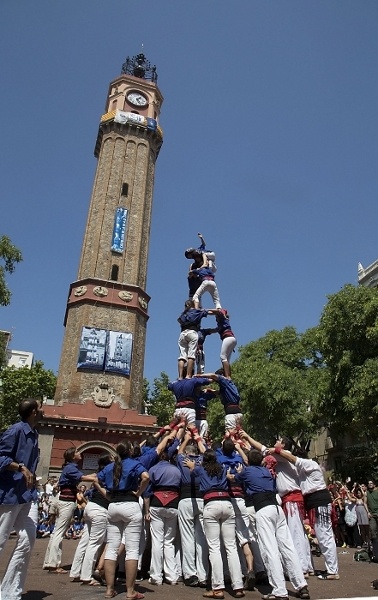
pixel 118 240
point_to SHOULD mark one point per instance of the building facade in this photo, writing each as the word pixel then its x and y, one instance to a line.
pixel 99 389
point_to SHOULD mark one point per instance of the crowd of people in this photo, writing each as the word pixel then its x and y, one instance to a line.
pixel 180 507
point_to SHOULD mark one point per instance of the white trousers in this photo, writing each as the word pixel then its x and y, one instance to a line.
pixel 228 345
pixel 219 519
pixel 53 556
pixel 258 563
pixel 326 539
pixel 188 343
pixel 202 426
pixel 23 518
pixel 208 286
pixel 300 539
pixel 195 559
pixel 277 550
pixel 163 528
pixel 123 517
pixel 186 413
pixel 232 421
pixel 241 520
pixel 94 534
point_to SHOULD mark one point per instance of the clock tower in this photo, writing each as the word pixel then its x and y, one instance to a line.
pixel 100 380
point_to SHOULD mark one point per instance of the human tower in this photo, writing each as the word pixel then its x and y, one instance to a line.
pixel 190 388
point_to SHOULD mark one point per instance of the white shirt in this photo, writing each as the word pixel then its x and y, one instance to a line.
pixel 310 476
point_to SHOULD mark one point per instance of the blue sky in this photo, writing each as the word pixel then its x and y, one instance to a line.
pixel 270 149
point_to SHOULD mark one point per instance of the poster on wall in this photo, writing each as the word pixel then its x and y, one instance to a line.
pixel 92 348
pixel 118 352
pixel 119 229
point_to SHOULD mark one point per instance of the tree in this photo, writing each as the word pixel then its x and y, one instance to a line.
pixel 9 256
pixel 16 384
pixel 281 377
pixel 161 402
pixel 348 339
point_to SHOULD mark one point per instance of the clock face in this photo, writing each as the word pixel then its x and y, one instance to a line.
pixel 137 99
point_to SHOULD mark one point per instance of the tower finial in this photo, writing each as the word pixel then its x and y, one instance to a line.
pixel 140 67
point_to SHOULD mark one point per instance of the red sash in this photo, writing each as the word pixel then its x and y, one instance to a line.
pixel 294 496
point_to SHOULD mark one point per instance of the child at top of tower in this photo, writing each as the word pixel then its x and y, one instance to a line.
pixel 200 255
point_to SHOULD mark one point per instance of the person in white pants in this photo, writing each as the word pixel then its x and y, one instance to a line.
pixel 94 534
pixel 219 521
pixel 276 544
pixel 125 480
pixel 318 504
pixel 161 504
pixel 289 489
pixel 68 481
pixel 19 456
pixel 195 561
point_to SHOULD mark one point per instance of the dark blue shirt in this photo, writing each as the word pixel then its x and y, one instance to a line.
pixel 208 483
pixel 149 459
pixel 188 388
pixel 188 477
pixel 71 475
pixel 163 475
pixel 204 272
pixel 18 444
pixel 191 318
pixel 256 480
pixel 228 392
pixel 223 324
pixel 204 397
pixel 129 481
pixel 232 461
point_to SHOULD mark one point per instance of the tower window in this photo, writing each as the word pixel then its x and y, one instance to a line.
pixel 114 273
pixel 125 189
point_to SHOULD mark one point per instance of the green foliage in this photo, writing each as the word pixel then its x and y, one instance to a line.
pixel 348 335
pixel 161 402
pixel 3 354
pixel 280 377
pixel 9 256
pixel 360 463
pixel 17 384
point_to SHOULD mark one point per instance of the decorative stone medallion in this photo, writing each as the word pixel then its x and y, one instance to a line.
pixel 80 291
pixel 103 395
pixel 125 296
pixel 143 303
pixel 100 291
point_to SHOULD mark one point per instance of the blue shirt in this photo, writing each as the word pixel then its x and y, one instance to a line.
pixel 229 393
pixel 148 459
pixel 191 318
pixel 70 476
pixel 202 335
pixel 256 480
pixel 163 475
pixel 204 397
pixel 208 483
pixel 231 461
pixel 204 272
pixel 129 481
pixel 188 477
pixel 188 388
pixel 18 444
